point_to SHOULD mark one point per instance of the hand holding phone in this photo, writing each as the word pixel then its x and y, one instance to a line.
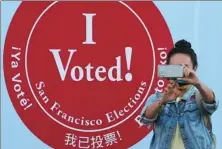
pixel 173 72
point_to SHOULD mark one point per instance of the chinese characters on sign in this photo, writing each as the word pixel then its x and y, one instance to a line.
pixel 93 142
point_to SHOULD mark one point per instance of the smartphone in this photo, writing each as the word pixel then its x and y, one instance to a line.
pixel 170 71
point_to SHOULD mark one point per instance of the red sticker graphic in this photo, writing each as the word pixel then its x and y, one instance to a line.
pixel 79 73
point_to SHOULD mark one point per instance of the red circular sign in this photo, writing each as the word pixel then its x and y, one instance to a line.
pixel 78 73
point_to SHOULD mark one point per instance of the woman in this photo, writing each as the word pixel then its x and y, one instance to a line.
pixel 176 115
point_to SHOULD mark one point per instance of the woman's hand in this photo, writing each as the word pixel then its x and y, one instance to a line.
pixel 171 92
pixel 189 76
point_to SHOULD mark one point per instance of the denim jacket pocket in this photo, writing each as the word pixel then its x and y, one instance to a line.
pixel 165 114
pixel 192 111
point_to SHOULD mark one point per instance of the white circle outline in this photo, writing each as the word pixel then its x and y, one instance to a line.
pixel 85 130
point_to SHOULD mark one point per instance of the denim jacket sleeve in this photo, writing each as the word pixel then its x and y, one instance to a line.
pixel 211 108
pixel 149 101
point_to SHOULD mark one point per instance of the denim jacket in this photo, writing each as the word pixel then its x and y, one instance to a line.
pixel 186 113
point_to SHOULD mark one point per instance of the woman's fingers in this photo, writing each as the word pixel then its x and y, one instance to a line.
pixel 177 92
pixel 186 71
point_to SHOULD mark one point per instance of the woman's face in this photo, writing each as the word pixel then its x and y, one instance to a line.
pixel 180 58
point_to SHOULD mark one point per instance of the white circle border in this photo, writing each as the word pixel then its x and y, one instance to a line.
pixel 85 130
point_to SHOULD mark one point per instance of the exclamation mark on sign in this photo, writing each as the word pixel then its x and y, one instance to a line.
pixel 118 135
pixel 128 53
pixel 15 48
